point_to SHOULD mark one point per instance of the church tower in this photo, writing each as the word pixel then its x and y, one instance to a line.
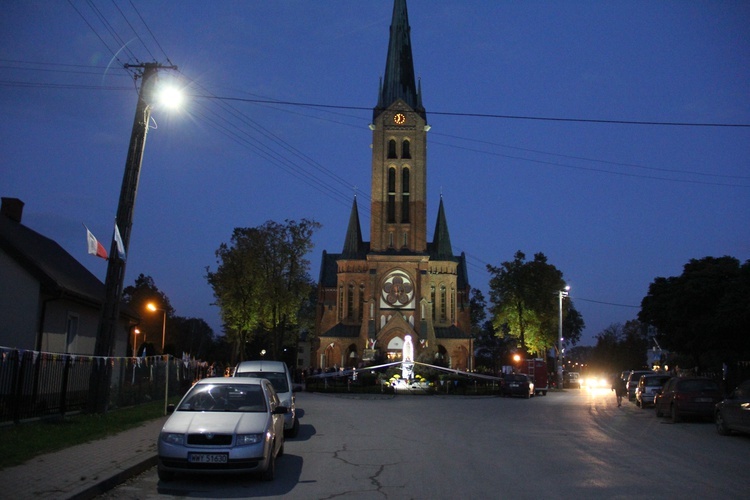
pixel 374 294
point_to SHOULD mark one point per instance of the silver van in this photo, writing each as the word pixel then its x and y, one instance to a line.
pixel 278 374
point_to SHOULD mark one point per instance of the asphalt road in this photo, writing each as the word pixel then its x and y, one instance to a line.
pixel 572 444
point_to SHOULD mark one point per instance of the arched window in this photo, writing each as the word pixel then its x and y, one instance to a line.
pixel 392 148
pixel 453 305
pixel 443 303
pixel 350 302
pixel 405 195
pixel 391 216
pixel 341 301
pixel 361 301
pixel 405 149
pixel 432 299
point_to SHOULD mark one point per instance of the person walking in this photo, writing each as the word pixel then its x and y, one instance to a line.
pixel 619 387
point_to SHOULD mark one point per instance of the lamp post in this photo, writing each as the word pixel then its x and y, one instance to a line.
pixel 561 294
pixel 151 307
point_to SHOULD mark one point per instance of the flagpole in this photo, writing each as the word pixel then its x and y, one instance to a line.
pixel 105 339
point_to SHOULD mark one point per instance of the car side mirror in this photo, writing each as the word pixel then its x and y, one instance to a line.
pixel 170 408
pixel 280 410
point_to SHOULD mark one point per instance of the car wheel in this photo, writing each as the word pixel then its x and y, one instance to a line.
pixel 675 414
pixel 721 425
pixel 544 393
pixel 164 475
pixel 292 433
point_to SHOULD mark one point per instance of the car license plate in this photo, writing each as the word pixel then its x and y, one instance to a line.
pixel 514 385
pixel 208 458
pixel 704 400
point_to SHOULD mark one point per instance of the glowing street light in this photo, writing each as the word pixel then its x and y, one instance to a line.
pixel 136 331
pixel 151 307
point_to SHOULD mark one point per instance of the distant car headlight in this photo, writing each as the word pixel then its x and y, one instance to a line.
pixel 247 439
pixel 172 438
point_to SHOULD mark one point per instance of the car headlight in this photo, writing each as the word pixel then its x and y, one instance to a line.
pixel 172 438
pixel 246 439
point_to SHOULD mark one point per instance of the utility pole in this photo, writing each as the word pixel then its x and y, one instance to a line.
pixel 105 339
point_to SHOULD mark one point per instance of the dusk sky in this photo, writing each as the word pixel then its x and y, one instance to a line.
pixel 613 136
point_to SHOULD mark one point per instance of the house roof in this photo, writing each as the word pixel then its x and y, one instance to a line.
pixel 58 272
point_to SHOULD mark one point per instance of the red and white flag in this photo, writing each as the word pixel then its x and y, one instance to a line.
pixel 95 248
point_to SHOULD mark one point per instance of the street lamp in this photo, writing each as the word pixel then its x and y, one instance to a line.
pixel 113 283
pixel 151 307
pixel 561 294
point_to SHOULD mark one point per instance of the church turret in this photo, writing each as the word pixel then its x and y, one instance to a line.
pixel 441 241
pixel 398 220
pixel 399 81
pixel 353 241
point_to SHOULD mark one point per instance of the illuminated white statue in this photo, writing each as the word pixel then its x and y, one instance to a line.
pixel 407 359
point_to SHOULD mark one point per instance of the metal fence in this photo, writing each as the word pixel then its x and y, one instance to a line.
pixel 39 384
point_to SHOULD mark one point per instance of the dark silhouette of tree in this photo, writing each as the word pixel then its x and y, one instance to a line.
pixel 704 312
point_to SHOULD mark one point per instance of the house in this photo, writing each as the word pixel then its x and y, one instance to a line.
pixel 49 301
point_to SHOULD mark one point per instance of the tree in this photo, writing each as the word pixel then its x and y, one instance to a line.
pixel 262 279
pixel 524 298
pixel 620 348
pixel 704 312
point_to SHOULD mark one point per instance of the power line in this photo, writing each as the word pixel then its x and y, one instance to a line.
pixel 483 115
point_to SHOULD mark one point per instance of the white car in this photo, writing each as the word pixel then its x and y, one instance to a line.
pixel 224 425
pixel 278 374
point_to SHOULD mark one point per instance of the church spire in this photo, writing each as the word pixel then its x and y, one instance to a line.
pixel 441 241
pixel 399 81
pixel 353 240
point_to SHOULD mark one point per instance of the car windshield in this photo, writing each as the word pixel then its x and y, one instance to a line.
pixel 277 379
pixel 515 378
pixel 698 386
pixel 235 397
pixel 655 381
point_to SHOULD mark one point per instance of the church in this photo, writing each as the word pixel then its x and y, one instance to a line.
pixel 375 296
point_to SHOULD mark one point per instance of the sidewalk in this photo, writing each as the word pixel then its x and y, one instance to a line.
pixel 86 470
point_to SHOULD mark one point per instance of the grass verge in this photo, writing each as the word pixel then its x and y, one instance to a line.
pixel 22 442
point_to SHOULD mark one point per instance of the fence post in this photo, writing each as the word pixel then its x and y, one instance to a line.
pixel 64 386
pixel 166 384
pixel 16 383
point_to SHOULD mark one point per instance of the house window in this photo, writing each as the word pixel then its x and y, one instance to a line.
pixel 390 240
pixel 391 195
pixel 392 148
pixel 405 195
pixel 405 150
pixel 71 331
pixel 406 239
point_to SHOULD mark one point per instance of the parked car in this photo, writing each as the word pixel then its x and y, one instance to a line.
pixel 694 396
pixel 571 380
pixel 517 384
pixel 223 424
pixel 648 386
pixel 632 381
pixel 733 413
pixel 278 374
